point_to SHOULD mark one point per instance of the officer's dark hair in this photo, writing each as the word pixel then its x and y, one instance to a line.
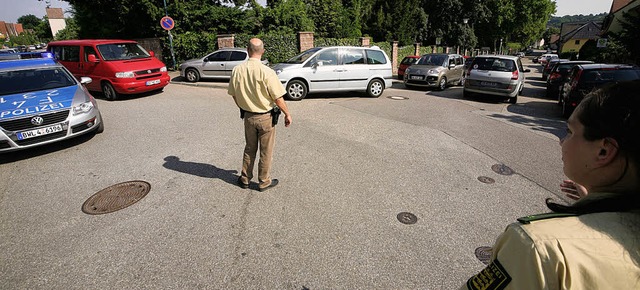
pixel 612 111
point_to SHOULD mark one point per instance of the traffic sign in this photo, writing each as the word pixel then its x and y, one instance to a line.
pixel 167 23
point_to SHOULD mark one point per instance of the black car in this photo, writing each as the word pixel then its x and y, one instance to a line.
pixel 558 75
pixel 584 78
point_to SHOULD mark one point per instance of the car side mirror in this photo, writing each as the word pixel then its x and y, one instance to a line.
pixel 151 53
pixel 317 64
pixel 92 58
pixel 85 80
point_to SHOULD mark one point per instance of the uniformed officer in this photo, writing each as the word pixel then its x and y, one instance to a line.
pixel 256 90
pixel 595 242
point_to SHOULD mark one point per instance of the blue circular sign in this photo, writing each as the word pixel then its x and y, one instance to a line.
pixel 167 23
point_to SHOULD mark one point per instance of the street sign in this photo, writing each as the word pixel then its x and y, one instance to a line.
pixel 602 42
pixel 167 23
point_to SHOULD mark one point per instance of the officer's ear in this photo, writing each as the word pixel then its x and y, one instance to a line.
pixel 607 151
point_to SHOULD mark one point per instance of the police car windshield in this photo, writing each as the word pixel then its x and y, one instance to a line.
pixel 122 51
pixel 300 58
pixel 31 80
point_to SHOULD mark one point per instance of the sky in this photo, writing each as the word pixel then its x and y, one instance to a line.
pixel 11 10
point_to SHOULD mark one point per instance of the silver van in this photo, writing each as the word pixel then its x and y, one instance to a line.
pixel 435 70
pixel 498 75
pixel 336 68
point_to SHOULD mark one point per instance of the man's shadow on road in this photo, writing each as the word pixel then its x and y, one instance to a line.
pixel 200 169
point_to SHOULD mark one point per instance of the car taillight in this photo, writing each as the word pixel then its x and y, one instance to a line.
pixel 554 76
pixel 514 75
pixel 574 84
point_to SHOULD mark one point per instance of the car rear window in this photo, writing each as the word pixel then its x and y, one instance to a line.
pixel 603 76
pixel 31 80
pixel 494 64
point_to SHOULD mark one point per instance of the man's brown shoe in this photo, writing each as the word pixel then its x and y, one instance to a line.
pixel 242 184
pixel 274 182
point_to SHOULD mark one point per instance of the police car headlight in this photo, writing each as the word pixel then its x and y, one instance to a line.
pixel 123 75
pixel 82 108
pixel 163 69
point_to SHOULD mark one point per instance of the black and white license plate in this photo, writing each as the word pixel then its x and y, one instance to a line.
pixel 417 77
pixel 488 84
pixel 153 82
pixel 39 132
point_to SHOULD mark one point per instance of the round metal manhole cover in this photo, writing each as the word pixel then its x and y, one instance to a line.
pixel 502 169
pixel 407 218
pixel 116 197
pixel 398 98
pixel 485 179
pixel 484 254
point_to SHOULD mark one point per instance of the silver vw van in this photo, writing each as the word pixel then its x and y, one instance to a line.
pixel 336 68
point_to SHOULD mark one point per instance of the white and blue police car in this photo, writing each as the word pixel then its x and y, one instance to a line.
pixel 41 102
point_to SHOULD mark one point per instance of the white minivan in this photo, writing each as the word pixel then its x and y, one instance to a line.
pixel 336 68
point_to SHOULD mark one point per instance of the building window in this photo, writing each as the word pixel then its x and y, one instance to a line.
pixel 578 42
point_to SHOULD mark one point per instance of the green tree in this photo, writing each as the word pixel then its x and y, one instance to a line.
pixel 628 36
pixel 29 21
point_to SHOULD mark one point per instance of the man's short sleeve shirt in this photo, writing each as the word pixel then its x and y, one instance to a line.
pixel 255 86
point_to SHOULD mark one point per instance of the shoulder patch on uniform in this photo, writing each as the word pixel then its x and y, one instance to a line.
pixel 493 277
pixel 543 216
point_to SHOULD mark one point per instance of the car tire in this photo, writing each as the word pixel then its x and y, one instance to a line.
pixel 375 88
pixel 442 84
pixel 296 90
pixel 109 92
pixel 192 75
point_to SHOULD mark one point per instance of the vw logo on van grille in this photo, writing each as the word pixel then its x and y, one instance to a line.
pixel 37 120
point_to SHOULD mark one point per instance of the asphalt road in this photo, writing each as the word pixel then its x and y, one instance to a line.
pixel 348 165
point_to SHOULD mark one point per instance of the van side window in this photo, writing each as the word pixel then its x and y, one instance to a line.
pixel 66 53
pixel 87 51
pixel 375 57
pixel 353 56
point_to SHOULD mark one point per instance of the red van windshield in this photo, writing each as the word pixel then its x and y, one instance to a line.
pixel 122 51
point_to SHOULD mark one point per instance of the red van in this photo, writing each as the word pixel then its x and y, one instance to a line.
pixel 115 66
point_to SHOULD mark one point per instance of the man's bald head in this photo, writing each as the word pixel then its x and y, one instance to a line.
pixel 255 48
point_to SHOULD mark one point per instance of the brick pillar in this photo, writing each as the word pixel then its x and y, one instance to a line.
pixel 305 40
pixel 417 48
pixel 226 40
pixel 434 49
pixel 394 58
pixel 365 41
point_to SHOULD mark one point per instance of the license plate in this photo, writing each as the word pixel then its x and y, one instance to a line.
pixel 417 77
pixel 39 132
pixel 488 84
pixel 153 82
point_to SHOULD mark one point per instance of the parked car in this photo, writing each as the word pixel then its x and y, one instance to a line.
pixel 543 59
pixel 584 78
pixel 406 62
pixel 216 65
pixel 547 67
pixel 467 64
pixel 558 75
pixel 435 70
pixel 336 68
pixel 41 102
pixel 497 75
pixel 116 66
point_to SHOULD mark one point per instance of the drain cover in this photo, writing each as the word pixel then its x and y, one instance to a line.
pixel 484 254
pixel 116 197
pixel 398 98
pixel 485 179
pixel 502 169
pixel 407 218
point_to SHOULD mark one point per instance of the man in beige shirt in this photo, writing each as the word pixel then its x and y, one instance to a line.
pixel 256 89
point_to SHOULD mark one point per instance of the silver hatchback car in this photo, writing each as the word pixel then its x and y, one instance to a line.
pixel 216 65
pixel 498 75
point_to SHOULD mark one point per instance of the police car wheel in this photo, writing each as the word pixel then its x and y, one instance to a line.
pixel 109 92
pixel 296 90
pixel 375 88
pixel 192 75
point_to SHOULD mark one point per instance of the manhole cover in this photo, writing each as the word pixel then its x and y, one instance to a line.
pixel 484 254
pixel 502 169
pixel 407 218
pixel 116 197
pixel 398 98
pixel 485 179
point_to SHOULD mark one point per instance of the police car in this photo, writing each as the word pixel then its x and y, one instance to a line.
pixel 41 102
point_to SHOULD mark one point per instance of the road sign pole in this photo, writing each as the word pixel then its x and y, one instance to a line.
pixel 173 56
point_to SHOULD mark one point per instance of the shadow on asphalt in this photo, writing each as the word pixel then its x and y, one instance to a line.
pixel 530 116
pixel 24 154
pixel 201 169
pixel 121 97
